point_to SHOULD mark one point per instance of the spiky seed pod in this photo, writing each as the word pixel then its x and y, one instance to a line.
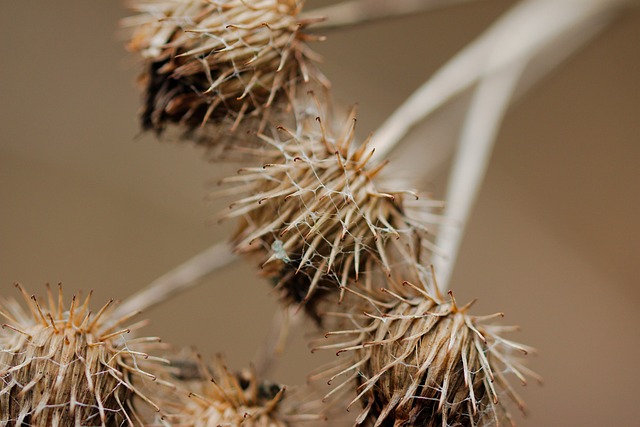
pixel 317 213
pixel 219 397
pixel 62 366
pixel 218 62
pixel 420 361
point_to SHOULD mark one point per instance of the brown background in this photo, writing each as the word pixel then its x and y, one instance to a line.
pixel 553 240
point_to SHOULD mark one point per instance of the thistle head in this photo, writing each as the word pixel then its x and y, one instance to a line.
pixel 62 365
pixel 220 397
pixel 317 212
pixel 420 360
pixel 218 62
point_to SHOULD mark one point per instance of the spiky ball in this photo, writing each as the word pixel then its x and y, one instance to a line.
pixel 62 365
pixel 217 62
pixel 422 361
pixel 317 212
pixel 219 397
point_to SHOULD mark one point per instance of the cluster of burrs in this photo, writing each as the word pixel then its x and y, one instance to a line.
pixel 316 210
pixel 63 365
pixel 317 213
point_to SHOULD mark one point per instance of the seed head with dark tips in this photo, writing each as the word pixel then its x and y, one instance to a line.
pixel 63 365
pixel 218 63
pixel 421 361
pixel 219 397
pixel 317 212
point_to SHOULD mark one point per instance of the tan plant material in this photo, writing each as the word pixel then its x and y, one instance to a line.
pixel 220 397
pixel 62 365
pixel 218 62
pixel 317 212
pixel 418 360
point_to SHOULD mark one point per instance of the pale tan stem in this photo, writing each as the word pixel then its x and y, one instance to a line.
pixel 500 75
pixel 180 279
pixel 358 12
pixel 489 104
pixel 538 28
pixel 277 338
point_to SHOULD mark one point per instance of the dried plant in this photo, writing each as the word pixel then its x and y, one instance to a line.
pixel 420 360
pixel 317 211
pixel 218 63
pixel 63 366
pixel 327 226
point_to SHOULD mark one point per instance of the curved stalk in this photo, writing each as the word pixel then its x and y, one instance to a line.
pixel 481 126
pixel 538 24
pixel 180 279
pixel 504 67
pixel 359 12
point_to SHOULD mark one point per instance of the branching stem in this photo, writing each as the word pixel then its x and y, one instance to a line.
pixel 542 23
pixel 538 24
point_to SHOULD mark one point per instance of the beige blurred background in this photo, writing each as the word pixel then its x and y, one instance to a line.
pixel 553 241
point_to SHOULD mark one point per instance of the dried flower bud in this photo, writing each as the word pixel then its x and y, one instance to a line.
pixel 219 397
pixel 62 366
pixel 218 61
pixel 318 214
pixel 420 361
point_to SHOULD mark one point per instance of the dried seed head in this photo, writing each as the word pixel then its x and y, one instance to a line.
pixel 64 366
pixel 218 62
pixel 219 397
pixel 422 361
pixel 317 213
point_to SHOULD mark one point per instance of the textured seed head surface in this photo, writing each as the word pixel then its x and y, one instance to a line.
pixel 218 62
pixel 421 361
pixel 219 397
pixel 63 365
pixel 317 214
